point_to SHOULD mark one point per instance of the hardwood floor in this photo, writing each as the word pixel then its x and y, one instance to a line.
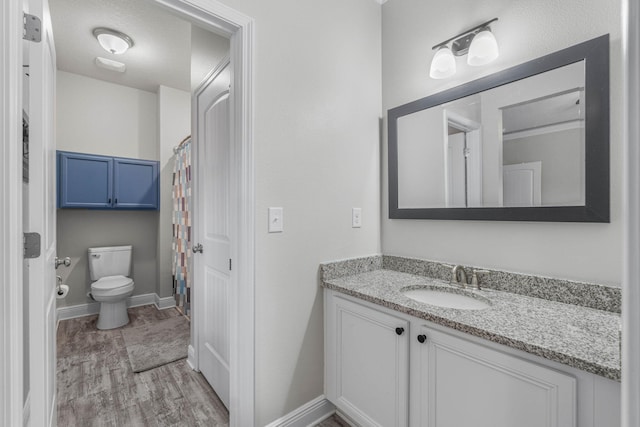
pixel 96 386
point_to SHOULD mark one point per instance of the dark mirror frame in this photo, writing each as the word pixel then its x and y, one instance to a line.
pixel 595 53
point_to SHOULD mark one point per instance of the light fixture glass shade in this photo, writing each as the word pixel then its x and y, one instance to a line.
pixel 113 41
pixel 483 49
pixel 443 64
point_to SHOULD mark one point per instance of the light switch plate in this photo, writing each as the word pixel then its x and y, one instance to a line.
pixel 276 224
pixel 356 217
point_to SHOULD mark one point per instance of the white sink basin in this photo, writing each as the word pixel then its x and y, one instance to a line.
pixel 443 298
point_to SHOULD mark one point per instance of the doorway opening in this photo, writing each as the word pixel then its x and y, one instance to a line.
pixel 237 30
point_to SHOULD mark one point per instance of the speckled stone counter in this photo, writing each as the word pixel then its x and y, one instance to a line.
pixel 577 336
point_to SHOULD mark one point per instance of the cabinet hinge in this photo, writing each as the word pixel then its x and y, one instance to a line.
pixel 31 245
pixel 31 28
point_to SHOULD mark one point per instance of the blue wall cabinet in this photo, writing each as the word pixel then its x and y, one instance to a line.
pixel 101 182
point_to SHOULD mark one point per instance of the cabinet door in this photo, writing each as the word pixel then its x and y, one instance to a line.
pixel 84 180
pixel 461 383
pixel 135 184
pixel 367 363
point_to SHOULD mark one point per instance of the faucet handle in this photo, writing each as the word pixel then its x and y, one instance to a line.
pixel 475 282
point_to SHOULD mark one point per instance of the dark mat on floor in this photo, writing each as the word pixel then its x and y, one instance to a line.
pixel 158 343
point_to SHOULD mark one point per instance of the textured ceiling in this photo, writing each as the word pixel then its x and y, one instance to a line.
pixel 161 54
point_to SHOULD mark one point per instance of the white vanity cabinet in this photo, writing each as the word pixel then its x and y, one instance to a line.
pixel 433 376
pixel 367 363
pixel 456 382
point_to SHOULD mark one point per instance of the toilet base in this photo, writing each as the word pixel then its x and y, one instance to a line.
pixel 113 314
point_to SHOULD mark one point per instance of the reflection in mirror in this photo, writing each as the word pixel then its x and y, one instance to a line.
pixel 528 143
pixel 543 151
pixel 520 144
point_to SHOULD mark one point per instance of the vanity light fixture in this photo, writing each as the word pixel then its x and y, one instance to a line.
pixel 113 41
pixel 478 42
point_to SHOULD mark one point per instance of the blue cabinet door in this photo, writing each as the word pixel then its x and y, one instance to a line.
pixel 135 184
pixel 84 181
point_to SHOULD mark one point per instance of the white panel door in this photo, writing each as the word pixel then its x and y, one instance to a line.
pixel 460 383
pixel 42 220
pixel 522 184
pixel 367 373
pixel 212 208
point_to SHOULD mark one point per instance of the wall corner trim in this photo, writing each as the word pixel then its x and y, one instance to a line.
pixel 164 303
pixel 309 414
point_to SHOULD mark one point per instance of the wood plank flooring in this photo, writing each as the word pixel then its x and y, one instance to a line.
pixel 97 387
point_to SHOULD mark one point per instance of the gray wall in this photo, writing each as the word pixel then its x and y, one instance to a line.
pixel 174 124
pixel 103 118
pixel 562 157
pixel 525 30
pixel 316 152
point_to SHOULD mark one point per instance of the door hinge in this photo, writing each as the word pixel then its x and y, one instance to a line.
pixel 31 243
pixel 31 28
pixel 229 264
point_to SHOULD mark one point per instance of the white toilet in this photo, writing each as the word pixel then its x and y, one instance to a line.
pixel 110 268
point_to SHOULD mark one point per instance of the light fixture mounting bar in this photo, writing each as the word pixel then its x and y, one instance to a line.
pixel 469 31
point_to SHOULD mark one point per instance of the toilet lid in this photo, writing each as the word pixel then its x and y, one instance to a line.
pixel 111 282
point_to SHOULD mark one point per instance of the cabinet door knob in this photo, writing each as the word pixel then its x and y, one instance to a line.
pixel 422 338
pixel 399 331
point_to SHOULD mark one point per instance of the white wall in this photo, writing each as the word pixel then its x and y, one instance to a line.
pixel 525 30
pixel 317 110
pixel 174 124
pixel 207 51
pixel 97 117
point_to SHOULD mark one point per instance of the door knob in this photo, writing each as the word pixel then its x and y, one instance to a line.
pixel 422 338
pixel 66 261
pixel 399 331
pixel 197 248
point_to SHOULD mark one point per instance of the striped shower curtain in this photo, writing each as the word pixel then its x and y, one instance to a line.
pixel 181 268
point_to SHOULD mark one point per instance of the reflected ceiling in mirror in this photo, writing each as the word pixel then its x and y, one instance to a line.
pixel 529 143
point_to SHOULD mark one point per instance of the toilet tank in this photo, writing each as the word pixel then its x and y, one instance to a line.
pixel 110 261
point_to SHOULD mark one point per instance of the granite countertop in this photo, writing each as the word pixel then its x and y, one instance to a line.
pixel 577 336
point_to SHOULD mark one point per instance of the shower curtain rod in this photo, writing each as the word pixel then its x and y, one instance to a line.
pixel 184 141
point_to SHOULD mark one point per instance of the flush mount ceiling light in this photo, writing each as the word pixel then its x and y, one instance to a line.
pixel 478 42
pixel 113 41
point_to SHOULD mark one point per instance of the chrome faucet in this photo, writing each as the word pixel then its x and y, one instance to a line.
pixel 475 282
pixel 459 276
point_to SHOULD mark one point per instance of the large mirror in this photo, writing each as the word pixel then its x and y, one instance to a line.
pixel 530 143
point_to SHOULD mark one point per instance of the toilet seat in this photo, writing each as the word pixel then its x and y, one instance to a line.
pixel 111 286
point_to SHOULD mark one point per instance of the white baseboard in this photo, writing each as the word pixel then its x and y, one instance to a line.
pixel 307 415
pixel 138 300
pixel 164 303
pixel 82 310
pixel 191 358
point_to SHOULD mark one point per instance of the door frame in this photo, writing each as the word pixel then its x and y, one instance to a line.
pixel 11 310
pixel 215 17
pixel 239 28
pixel 473 135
